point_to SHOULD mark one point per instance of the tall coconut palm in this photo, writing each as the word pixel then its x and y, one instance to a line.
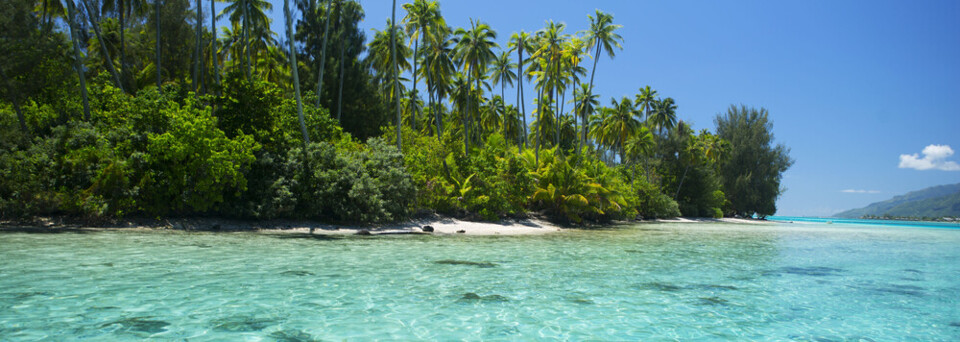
pixel 250 15
pixel 380 57
pixel 438 69
pixel 512 125
pixel 48 9
pixel 323 51
pixel 94 20
pixel 123 9
pixel 645 101
pixel 213 46
pixel 78 58
pixel 296 75
pixel 551 40
pixel 421 16
pixel 460 96
pixel 586 102
pixel 156 9
pixel 520 41
pixel 396 72
pixel 621 123
pixel 503 74
pixel 474 51
pixel 197 75
pixel 573 54
pixel 664 115
pixel 602 35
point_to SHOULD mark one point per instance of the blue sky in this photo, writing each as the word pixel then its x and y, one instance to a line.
pixel 850 85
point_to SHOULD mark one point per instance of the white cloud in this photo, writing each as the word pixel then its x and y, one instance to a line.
pixel 934 158
pixel 852 191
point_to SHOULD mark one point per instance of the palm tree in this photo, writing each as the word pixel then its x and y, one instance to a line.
pixel 586 102
pixel 503 74
pixel 520 41
pixel 78 59
pixel 108 61
pixel 156 5
pixel 640 145
pixel 664 115
pixel 601 35
pixel 323 53
pixel 123 9
pixel 645 100
pixel 512 125
pixel 196 62
pixel 213 42
pixel 380 58
pixel 573 55
pixel 460 96
pixel 551 41
pixel 421 16
pixel 474 51
pixel 48 10
pixel 620 123
pixel 438 69
pixel 396 72
pixel 251 16
pixel 293 65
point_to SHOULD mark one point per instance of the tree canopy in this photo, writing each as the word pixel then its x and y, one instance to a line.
pixel 753 169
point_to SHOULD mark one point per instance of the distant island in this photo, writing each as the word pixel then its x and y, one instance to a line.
pixel 936 203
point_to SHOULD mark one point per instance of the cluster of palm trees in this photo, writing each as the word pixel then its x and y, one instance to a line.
pixel 464 65
pixel 457 66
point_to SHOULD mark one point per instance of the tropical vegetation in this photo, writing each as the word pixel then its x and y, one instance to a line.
pixel 117 108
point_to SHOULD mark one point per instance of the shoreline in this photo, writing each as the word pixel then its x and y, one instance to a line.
pixel 441 225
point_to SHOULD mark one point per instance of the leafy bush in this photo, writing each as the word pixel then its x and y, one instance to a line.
pixel 194 163
pixel 349 182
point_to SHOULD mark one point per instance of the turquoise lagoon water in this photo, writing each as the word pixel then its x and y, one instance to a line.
pixel 806 282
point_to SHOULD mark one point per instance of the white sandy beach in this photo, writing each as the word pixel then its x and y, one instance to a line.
pixel 440 225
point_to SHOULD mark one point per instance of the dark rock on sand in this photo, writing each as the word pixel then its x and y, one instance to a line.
pixel 480 264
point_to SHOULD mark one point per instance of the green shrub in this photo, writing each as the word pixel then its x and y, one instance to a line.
pixel 193 164
pixel 349 182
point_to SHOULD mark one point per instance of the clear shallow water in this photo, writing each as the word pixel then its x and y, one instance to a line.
pixel 871 222
pixel 663 281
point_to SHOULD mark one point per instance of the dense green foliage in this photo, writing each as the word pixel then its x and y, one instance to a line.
pixel 753 170
pixel 139 109
pixel 933 202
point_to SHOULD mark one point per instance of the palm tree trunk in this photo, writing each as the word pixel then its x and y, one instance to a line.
pixel 433 107
pixel 520 104
pixel 296 74
pixel 343 39
pixel 466 126
pixel 479 130
pixel 78 59
pixel 323 53
pixel 213 49
pixel 681 181
pixel 246 41
pixel 156 3
pixel 536 151
pixel 413 94
pixel 108 61
pixel 123 46
pixel 503 105
pixel 396 71
pixel 16 103
pixel 196 62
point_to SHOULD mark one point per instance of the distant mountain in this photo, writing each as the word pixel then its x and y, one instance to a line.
pixel 938 201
